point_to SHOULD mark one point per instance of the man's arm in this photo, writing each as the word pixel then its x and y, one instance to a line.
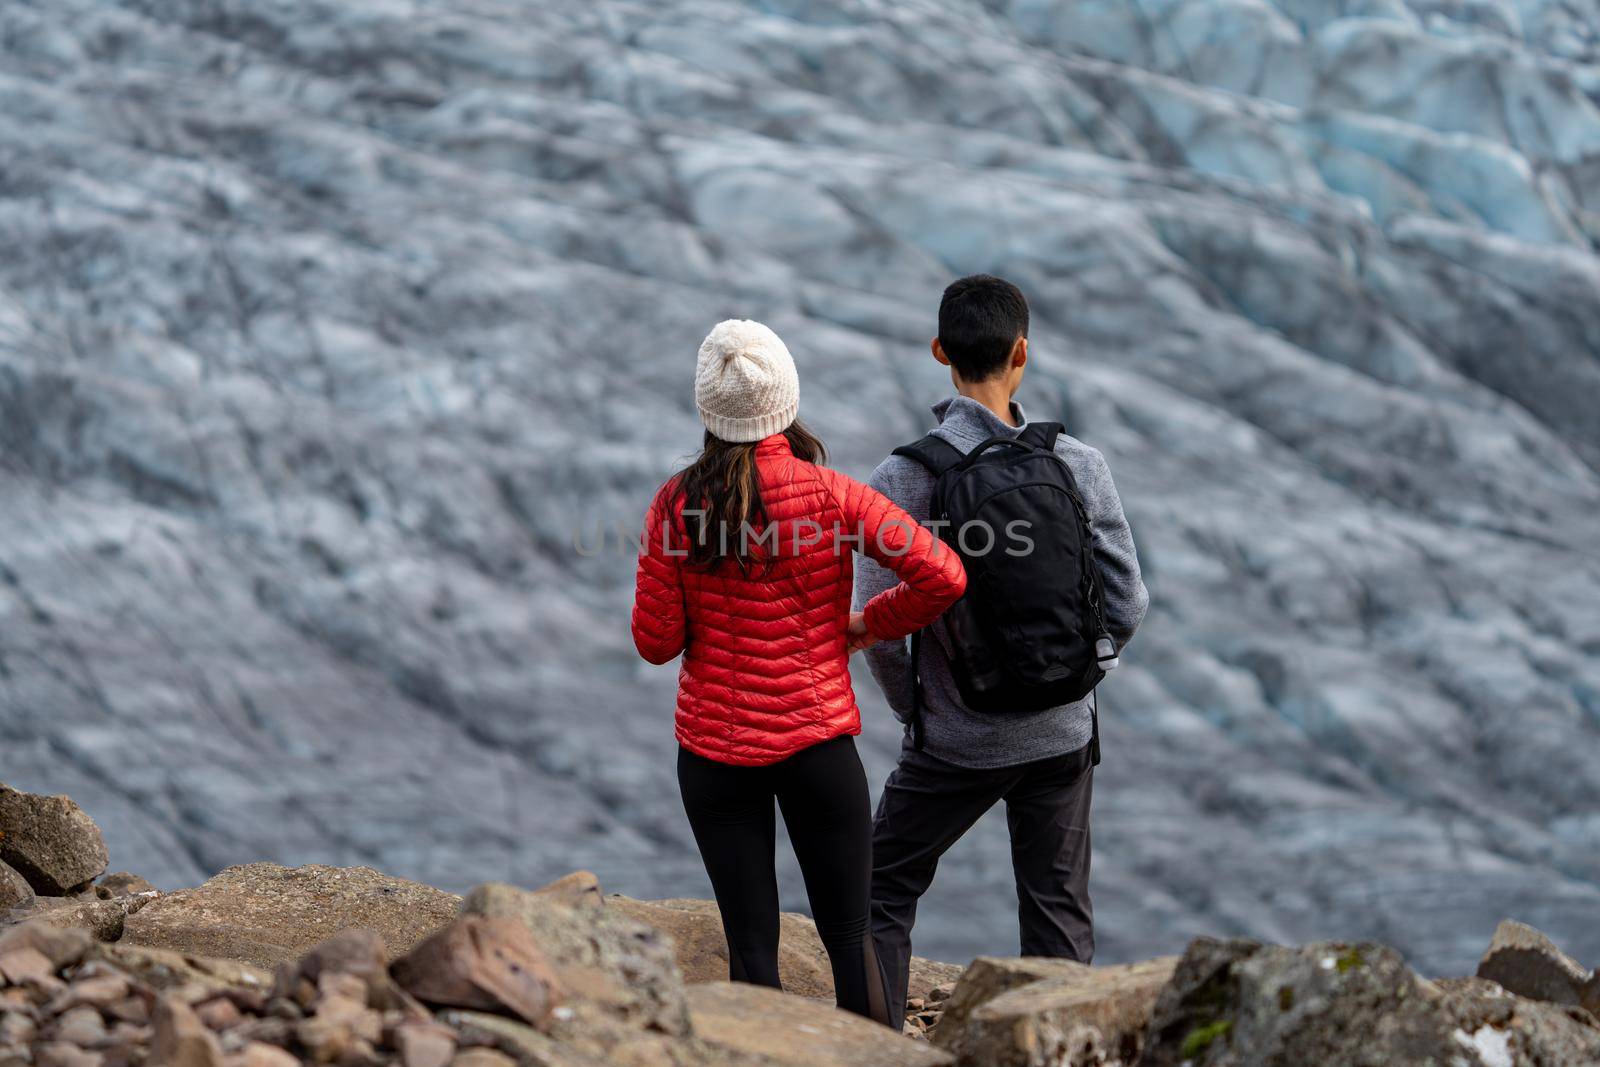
pixel 1126 599
pixel 905 483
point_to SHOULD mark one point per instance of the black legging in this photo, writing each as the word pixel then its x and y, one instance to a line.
pixel 823 793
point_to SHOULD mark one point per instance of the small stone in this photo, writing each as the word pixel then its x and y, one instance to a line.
pixel 358 952
pixel 25 964
pixel 62 1054
pixel 1527 963
pixel 914 1004
pixel 63 946
pixel 41 990
pixel 125 1037
pixel 248 1001
pixel 122 884
pixel 284 1008
pixel 17 1029
pixel 361 1053
pixel 100 992
pixel 15 892
pixel 580 889
pixel 135 1009
pixel 256 1054
pixel 338 986
pixel 264 1031
pixel 482 1057
pixel 425 1045
pixel 941 993
pixel 219 1013
pixel 303 992
pixel 82 1026
pixel 353 1012
pixel 338 1028
pixel 180 1039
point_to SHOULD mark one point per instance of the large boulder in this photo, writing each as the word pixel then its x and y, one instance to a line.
pixel 696 929
pixel 1526 962
pixel 1244 1004
pixel 791 1030
pixel 50 841
pixel 263 914
pixel 603 956
pixel 1051 1013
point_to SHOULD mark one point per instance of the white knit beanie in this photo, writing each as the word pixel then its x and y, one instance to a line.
pixel 745 383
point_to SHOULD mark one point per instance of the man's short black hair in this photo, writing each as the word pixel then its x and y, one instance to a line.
pixel 980 319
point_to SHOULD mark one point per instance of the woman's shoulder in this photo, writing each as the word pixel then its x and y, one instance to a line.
pixel 844 492
pixel 668 497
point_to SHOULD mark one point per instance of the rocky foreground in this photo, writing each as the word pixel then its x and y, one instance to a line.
pixel 270 966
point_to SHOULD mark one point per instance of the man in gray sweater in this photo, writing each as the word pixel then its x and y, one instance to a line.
pixel 1039 763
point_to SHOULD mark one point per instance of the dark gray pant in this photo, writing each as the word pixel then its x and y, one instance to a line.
pixel 928 804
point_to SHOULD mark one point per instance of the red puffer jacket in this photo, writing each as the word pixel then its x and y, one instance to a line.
pixel 765 667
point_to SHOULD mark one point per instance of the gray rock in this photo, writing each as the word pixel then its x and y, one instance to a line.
pixel 50 841
pixel 773 1027
pixel 1242 1003
pixel 105 919
pixel 122 884
pixel 603 959
pixel 1527 963
pixel 15 892
pixel 1051 1013
pixel 482 963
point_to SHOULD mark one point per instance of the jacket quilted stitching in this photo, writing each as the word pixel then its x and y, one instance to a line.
pixel 765 670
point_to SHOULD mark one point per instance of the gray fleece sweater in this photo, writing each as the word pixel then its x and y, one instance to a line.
pixel 951 731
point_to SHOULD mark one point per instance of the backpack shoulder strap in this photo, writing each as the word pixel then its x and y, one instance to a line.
pixel 935 454
pixel 1042 434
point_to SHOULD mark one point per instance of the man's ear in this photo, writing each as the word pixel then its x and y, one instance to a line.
pixel 1019 354
pixel 938 352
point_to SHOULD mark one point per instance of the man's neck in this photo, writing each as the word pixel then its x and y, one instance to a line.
pixel 992 395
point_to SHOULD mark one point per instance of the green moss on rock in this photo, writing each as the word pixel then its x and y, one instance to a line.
pixel 1200 1038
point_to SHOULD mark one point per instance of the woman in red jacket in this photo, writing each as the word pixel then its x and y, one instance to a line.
pixel 745 570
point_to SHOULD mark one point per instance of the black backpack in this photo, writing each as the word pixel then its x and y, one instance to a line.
pixel 1030 632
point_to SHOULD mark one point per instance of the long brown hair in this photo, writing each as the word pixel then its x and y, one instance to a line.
pixel 721 492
